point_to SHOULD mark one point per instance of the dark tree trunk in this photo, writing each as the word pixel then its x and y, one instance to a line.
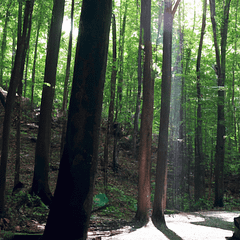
pixel 111 104
pixel 70 212
pixel 26 72
pixel 40 184
pixel 18 135
pixel 161 181
pixel 144 154
pixel 16 76
pixel 138 103
pixel 65 93
pixel 199 173
pixel 34 61
pixel 121 58
pixel 221 61
pixel 4 38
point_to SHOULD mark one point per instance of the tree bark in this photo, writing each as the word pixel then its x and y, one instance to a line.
pixel 111 104
pixel 65 93
pixel 221 61
pixel 40 184
pixel 138 103
pixel 199 175
pixel 3 46
pixel 35 60
pixel 72 203
pixel 16 76
pixel 161 181
pixel 144 155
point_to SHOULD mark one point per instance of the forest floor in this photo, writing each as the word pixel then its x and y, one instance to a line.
pixel 27 214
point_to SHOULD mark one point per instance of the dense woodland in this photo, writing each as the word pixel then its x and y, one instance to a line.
pixel 152 83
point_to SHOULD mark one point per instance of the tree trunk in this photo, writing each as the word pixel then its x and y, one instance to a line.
pixel 65 93
pixel 4 38
pixel 161 181
pixel 34 61
pixel 221 60
pixel 138 103
pixel 40 184
pixel 72 203
pixel 16 76
pixel 199 175
pixel 121 57
pixel 144 155
pixel 26 72
pixel 111 104
pixel 18 135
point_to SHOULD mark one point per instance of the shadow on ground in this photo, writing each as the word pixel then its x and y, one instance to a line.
pixel 169 233
pixel 216 223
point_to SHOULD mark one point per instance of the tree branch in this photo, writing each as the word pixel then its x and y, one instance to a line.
pixel 175 8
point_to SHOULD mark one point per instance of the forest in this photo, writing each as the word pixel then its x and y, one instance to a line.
pixel 118 113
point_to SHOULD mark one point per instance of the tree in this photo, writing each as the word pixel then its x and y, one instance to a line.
pixel 199 174
pixel 35 58
pixel 111 104
pixel 65 92
pixel 121 59
pixel 161 169
pixel 16 77
pixel 4 36
pixel 40 184
pixel 220 71
pixel 70 211
pixel 144 155
pixel 138 102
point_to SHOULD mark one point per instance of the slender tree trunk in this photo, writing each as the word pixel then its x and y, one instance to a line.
pixel 40 184
pixel 3 46
pixel 16 76
pixel 26 72
pixel 18 135
pixel 221 61
pixel 111 104
pixel 138 103
pixel 35 60
pixel 199 175
pixel 158 205
pixel 74 191
pixel 111 125
pixel 121 58
pixel 65 93
pixel 144 155
pixel 233 82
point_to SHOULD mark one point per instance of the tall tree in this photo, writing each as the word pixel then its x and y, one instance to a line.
pixel 40 184
pixel 161 169
pixel 16 77
pixel 111 104
pixel 73 196
pixel 220 71
pixel 199 174
pixel 144 155
pixel 138 102
pixel 35 57
pixel 65 92
pixel 120 62
pixel 4 37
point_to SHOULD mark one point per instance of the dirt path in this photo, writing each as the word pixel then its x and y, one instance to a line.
pixel 209 225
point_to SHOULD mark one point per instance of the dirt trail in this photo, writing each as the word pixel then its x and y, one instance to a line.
pixel 205 225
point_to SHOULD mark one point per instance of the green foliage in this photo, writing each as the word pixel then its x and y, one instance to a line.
pixel 203 204
pixel 124 199
pixel 8 236
pixel 100 200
